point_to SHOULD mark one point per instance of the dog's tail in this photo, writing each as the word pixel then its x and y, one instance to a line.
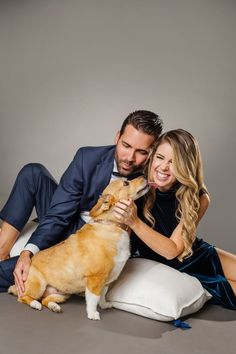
pixel 12 290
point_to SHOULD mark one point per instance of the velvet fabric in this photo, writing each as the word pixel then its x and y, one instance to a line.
pixel 204 264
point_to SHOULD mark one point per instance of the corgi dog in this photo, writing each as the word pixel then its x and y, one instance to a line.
pixel 87 261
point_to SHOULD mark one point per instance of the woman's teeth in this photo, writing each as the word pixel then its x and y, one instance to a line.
pixel 162 176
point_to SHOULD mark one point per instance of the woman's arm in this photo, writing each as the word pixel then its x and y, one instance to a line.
pixel 126 211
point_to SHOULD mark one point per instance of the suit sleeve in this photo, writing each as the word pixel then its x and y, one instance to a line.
pixel 63 207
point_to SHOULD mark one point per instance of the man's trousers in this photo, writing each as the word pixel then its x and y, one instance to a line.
pixel 34 187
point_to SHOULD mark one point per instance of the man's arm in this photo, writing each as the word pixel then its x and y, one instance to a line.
pixel 21 271
pixel 64 205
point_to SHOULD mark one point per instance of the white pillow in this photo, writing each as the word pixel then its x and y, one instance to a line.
pixel 156 291
pixel 23 238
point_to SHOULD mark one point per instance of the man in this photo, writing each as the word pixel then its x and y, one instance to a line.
pixel 63 209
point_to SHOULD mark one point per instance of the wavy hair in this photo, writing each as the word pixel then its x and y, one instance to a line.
pixel 188 170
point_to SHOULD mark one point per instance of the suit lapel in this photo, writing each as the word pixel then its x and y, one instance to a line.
pixel 103 172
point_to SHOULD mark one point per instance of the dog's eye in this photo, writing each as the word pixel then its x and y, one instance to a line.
pixel 125 183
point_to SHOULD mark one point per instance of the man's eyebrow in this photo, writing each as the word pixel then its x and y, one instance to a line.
pixel 123 141
pixel 143 150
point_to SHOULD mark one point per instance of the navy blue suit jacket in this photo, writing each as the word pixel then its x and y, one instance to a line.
pixel 79 189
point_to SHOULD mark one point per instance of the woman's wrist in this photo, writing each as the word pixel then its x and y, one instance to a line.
pixel 135 224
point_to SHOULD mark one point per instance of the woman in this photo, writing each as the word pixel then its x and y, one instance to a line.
pixel 172 211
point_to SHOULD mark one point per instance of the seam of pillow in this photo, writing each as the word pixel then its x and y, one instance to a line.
pixel 201 299
pixel 170 318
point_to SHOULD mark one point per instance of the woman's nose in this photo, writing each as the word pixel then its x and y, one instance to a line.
pixel 164 166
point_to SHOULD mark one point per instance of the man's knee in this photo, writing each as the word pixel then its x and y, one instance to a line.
pixel 32 170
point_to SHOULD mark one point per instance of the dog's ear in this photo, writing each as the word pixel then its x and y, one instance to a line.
pixel 104 203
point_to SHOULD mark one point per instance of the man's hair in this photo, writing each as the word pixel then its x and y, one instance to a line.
pixel 146 121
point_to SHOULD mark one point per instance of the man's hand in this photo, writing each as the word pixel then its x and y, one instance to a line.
pixel 21 271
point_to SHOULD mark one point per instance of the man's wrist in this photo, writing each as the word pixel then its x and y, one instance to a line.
pixel 26 253
pixel 31 247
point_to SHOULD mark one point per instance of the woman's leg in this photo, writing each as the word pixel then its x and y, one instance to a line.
pixel 228 262
pixel 34 187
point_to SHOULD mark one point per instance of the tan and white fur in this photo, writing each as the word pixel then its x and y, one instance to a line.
pixel 88 260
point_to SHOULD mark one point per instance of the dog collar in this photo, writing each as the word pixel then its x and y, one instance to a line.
pixel 110 222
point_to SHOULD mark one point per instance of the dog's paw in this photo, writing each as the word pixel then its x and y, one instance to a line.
pixel 12 290
pixel 105 305
pixel 94 315
pixel 53 306
pixel 36 305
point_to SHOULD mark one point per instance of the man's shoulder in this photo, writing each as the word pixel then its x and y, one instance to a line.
pixel 92 149
pixel 95 152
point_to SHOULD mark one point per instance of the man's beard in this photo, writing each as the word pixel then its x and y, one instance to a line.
pixel 133 167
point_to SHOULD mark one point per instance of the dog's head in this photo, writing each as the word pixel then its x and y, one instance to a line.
pixel 117 190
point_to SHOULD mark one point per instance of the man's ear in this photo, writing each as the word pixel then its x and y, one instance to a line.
pixel 117 137
pixel 104 203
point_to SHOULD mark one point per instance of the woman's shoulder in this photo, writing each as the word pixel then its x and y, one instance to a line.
pixel 204 198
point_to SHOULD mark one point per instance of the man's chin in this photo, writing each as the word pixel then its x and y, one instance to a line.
pixel 125 172
pixel 128 171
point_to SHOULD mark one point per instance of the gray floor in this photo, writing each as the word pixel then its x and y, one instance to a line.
pixel 24 330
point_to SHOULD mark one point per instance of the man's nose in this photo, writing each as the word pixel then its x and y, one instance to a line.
pixel 131 156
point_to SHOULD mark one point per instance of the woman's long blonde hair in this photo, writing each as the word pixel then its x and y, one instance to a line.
pixel 188 170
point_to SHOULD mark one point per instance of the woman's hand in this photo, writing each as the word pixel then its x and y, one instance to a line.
pixel 126 212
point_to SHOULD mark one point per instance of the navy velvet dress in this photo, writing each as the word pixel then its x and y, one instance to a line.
pixel 204 264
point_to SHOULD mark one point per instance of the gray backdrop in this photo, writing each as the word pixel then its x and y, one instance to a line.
pixel 72 70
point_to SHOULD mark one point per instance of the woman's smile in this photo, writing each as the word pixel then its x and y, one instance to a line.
pixel 162 167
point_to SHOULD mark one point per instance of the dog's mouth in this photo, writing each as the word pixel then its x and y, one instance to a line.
pixel 142 191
